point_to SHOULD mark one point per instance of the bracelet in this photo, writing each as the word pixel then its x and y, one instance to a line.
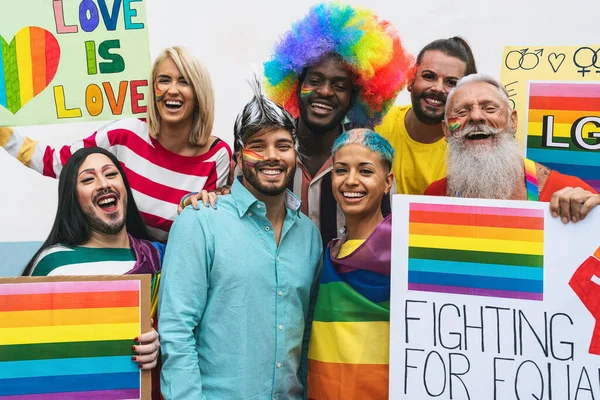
pixel 184 198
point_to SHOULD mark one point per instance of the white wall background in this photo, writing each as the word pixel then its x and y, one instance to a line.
pixel 229 36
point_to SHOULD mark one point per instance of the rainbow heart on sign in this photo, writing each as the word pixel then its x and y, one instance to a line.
pixel 27 66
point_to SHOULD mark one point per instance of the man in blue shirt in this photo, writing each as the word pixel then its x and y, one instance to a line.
pixel 238 285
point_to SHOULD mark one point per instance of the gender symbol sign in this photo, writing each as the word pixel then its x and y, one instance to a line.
pixel 493 300
pixel 72 60
pixel 556 92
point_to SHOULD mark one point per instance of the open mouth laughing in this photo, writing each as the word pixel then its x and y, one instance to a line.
pixel 478 135
pixel 107 202
pixel 173 105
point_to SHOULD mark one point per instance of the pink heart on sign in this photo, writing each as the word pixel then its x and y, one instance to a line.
pixel 27 66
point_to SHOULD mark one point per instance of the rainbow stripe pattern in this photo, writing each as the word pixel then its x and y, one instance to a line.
pixel 566 102
pixel 158 94
pixel 305 92
pixel 473 250
pixel 27 66
pixel 72 340
pixel 531 181
pixel 251 157
pixel 453 124
pixel 348 357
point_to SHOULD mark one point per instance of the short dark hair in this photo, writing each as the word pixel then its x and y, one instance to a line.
pixel 71 226
pixel 453 47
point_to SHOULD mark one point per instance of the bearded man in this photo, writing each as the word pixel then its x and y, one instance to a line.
pixel 238 281
pixel 485 160
pixel 415 130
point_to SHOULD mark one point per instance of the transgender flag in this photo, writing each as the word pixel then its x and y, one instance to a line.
pixel 555 112
pixel 476 250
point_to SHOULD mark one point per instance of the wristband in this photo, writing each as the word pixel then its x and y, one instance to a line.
pixel 184 198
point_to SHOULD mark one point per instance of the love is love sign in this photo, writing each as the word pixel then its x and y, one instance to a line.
pixel 72 60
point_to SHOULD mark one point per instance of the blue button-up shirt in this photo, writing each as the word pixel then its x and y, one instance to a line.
pixel 235 309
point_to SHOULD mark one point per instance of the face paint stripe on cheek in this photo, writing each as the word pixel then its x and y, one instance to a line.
pixel 454 124
pixel 305 92
pixel 251 158
pixel 158 94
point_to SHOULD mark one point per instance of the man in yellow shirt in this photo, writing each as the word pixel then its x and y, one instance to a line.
pixel 415 130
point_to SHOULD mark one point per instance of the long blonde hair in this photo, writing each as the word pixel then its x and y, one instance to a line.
pixel 197 76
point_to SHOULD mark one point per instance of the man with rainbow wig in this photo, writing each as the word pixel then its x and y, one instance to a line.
pixel 339 65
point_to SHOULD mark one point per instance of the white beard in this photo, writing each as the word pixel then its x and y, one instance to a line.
pixel 490 174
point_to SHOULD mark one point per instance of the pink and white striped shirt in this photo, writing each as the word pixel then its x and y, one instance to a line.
pixel 158 177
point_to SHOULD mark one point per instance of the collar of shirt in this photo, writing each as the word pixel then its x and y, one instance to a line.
pixel 324 170
pixel 244 199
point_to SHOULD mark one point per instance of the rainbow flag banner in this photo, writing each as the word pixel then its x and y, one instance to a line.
pixel 561 128
pixel 476 250
pixel 70 339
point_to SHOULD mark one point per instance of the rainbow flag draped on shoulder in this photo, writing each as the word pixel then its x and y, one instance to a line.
pixel 348 356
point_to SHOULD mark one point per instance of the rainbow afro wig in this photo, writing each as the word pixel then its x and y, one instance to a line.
pixel 370 48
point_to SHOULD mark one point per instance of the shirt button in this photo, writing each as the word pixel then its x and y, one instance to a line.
pixel 278 365
pixel 278 259
pixel 280 293
pixel 258 206
pixel 280 327
pixel 267 228
pixel 249 214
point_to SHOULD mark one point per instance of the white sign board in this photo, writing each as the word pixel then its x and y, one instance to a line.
pixel 493 300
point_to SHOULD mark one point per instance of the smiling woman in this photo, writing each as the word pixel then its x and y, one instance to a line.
pixel 353 300
pixel 166 156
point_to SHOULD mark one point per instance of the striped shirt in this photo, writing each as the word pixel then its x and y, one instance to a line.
pixel 64 260
pixel 318 202
pixel 158 177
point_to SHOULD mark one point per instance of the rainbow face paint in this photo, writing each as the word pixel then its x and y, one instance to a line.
pixel 305 92
pixel 158 94
pixel 251 158
pixel 454 124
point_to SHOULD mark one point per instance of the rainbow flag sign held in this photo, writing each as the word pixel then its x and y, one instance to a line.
pixel 69 339
pixel 476 250
pixel 562 121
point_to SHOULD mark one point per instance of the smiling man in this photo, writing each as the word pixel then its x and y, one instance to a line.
pixel 415 130
pixel 326 76
pixel 486 161
pixel 238 282
pixel 98 230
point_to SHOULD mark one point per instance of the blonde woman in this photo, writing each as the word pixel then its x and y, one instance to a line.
pixel 165 156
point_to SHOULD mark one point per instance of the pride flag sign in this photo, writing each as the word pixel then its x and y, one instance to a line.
pixel 563 120
pixel 70 339
pixel 476 250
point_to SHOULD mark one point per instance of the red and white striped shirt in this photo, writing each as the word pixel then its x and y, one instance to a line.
pixel 158 177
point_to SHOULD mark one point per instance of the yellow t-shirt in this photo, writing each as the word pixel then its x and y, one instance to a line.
pixel 348 247
pixel 416 165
